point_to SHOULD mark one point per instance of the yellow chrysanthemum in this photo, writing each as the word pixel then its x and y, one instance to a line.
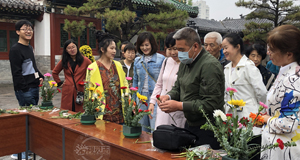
pixel 92 88
pixel 141 97
pixel 237 102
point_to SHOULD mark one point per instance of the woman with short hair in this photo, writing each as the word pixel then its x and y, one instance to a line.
pixel 282 121
pixel 257 53
pixel 146 70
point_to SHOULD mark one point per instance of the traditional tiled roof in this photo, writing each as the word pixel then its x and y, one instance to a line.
pixel 239 24
pixel 21 4
pixel 226 25
pixel 208 25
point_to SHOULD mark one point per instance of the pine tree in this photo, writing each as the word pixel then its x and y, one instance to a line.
pixel 122 21
pixel 275 12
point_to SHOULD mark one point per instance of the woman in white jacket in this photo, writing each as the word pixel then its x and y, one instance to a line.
pixel 282 120
pixel 242 75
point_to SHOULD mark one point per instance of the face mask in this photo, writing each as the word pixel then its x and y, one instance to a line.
pixel 184 57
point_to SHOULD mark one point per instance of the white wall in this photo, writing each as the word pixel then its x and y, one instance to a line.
pixel 42 36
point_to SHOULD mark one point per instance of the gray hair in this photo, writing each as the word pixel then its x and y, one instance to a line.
pixel 214 35
pixel 188 34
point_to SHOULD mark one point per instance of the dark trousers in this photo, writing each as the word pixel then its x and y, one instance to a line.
pixel 204 136
pixel 31 97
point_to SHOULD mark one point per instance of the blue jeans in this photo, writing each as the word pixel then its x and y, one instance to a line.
pixel 146 121
pixel 29 97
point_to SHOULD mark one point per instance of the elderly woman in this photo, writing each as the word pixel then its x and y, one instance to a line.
pixel 283 98
pixel 257 53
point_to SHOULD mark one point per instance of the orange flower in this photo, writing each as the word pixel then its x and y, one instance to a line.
pixel 99 93
pixel 259 121
pixel 97 109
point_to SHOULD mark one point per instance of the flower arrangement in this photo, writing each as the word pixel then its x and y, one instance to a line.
pixel 48 88
pixel 87 52
pixel 234 133
pixel 132 112
pixel 93 98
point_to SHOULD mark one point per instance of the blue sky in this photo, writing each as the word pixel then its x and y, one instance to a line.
pixel 220 9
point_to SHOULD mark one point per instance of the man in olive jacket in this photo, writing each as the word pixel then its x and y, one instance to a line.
pixel 200 84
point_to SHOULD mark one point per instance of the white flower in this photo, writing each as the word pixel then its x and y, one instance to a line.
pixel 95 95
pixel 126 94
pixel 122 94
pixel 221 114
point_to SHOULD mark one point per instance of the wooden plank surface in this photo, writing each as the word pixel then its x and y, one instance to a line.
pixel 12 133
pixel 108 135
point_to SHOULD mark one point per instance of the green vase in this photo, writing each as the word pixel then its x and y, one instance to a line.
pixel 132 132
pixel 46 105
pixel 87 119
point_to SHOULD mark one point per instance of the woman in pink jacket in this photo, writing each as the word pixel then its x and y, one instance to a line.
pixel 165 82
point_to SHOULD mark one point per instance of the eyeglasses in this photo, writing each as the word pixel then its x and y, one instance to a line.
pixel 72 47
pixel 27 30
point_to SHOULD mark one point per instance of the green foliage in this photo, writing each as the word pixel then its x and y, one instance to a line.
pixel 74 27
pixel 190 2
pixel 132 112
pixel 124 23
pixel 63 114
pixel 48 89
pixel 276 12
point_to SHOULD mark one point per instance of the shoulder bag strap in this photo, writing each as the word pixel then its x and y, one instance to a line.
pixel 147 71
pixel 73 80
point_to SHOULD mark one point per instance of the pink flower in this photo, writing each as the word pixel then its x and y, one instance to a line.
pixel 231 89
pixel 97 84
pixel 53 82
pixel 90 69
pixel 263 105
pixel 47 75
pixel 240 125
pixel 128 78
pixel 133 89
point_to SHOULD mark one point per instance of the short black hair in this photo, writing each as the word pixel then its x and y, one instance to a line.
pixel 142 38
pixel 170 41
pixel 22 22
pixel 260 49
pixel 124 43
pixel 130 47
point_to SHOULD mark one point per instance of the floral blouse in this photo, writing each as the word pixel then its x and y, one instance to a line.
pixel 111 86
pixel 283 101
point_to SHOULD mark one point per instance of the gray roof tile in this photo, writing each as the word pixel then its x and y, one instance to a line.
pixel 21 4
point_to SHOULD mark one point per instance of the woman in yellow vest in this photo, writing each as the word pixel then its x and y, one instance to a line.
pixel 110 75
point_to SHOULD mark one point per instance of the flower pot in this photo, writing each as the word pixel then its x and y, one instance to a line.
pixel 132 132
pixel 47 105
pixel 87 119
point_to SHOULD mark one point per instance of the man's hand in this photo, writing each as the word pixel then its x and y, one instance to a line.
pixel 163 99
pixel 171 106
pixel 41 81
pixel 151 108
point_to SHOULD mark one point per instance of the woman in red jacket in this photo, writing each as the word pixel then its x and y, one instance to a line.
pixel 74 65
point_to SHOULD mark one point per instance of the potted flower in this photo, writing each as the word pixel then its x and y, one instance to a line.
pixel 132 113
pixel 48 91
pixel 234 133
pixel 93 100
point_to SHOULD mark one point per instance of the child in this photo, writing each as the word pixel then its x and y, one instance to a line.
pixel 127 63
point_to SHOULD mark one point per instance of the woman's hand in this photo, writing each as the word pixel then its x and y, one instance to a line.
pixel 151 108
pixel 266 118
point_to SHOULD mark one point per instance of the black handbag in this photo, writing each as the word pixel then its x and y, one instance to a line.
pixel 172 138
pixel 80 95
